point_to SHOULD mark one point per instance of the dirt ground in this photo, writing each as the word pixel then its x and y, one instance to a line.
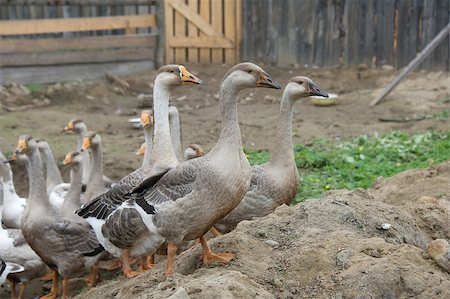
pixel 328 248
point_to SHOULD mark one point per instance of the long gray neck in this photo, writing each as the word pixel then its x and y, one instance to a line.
pixel 53 175
pixel 37 198
pixel 96 174
pixel 72 201
pixel 6 174
pixel 175 132
pixel 231 133
pixel 283 151
pixel 82 130
pixel 162 147
pixel 86 159
pixel 148 135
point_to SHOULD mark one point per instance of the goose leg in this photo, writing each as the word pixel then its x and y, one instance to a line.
pixel 110 265
pixel 91 280
pixel 151 260
pixel 215 232
pixel 65 288
pixel 22 289
pixel 126 269
pixel 171 253
pixel 209 256
pixel 145 263
pixel 54 291
pixel 47 277
pixel 13 289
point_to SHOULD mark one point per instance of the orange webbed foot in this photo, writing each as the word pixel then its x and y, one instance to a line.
pixel 47 277
pixel 224 258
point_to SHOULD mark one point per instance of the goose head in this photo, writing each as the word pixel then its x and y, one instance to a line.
pixel 72 158
pixel 25 145
pixel 249 75
pixel 91 139
pixel 193 151
pixel 75 126
pixel 147 118
pixel 173 75
pixel 141 150
pixel 42 144
pixel 302 87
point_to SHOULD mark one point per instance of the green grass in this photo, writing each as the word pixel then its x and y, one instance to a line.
pixel 325 165
pixel 35 86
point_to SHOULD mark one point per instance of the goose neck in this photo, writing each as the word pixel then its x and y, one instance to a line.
pixel 72 201
pixel 162 146
pixel 148 135
pixel 96 174
pixel 230 133
pixel 53 175
pixel 38 193
pixel 283 151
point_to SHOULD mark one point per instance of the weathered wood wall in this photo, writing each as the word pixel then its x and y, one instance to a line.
pixel 59 40
pixel 344 32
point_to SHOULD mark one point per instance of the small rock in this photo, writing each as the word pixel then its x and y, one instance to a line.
pixel 179 294
pixel 387 67
pixel 362 67
pixel 90 98
pixel 272 243
pixel 182 98
pixel 386 226
pixel 439 250
pixel 270 98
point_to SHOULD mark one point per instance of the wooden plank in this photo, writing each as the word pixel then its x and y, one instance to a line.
pixel 440 54
pixel 161 46
pixel 180 32
pixel 229 30
pixel 195 19
pixel 428 28
pixel 55 58
pixel 216 20
pixel 247 29
pixel 51 74
pixel 384 31
pixel 75 24
pixel 413 64
pixel 238 37
pixel 80 2
pixel 193 33
pixel 201 42
pixel 205 53
pixel 21 45
pixel 168 31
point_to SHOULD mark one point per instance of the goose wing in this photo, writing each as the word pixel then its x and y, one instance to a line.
pixel 173 185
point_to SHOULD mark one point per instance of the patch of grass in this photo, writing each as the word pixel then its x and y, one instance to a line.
pixel 444 114
pixel 35 86
pixel 325 165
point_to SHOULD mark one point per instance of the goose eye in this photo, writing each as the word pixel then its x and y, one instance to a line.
pixel 250 71
pixel 300 82
pixel 171 71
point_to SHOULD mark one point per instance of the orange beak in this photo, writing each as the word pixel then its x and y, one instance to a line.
pixel 67 159
pixel 22 146
pixel 12 158
pixel 69 127
pixel 86 143
pixel 141 150
pixel 145 120
pixel 187 77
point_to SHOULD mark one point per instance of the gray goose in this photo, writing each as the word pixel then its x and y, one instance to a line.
pixel 117 224
pixel 79 127
pixel 276 182
pixel 14 248
pixel 93 142
pixel 56 188
pixel 189 199
pixel 67 245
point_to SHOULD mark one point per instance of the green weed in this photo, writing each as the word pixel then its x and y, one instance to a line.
pixel 325 165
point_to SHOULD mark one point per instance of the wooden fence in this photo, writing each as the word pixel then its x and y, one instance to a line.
pixel 202 31
pixel 344 32
pixel 47 41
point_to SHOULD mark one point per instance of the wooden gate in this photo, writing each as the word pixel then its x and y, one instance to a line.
pixel 202 31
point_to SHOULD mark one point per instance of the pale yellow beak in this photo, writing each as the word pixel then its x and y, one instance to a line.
pixel 145 120
pixel 22 146
pixel 69 127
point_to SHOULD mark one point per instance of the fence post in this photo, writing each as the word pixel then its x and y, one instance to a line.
pixel 160 47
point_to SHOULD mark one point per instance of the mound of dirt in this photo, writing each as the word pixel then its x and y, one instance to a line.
pixel 347 244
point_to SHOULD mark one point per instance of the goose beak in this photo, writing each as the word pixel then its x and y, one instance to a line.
pixel 200 153
pixel 22 146
pixel 11 159
pixel 86 143
pixel 315 90
pixel 67 159
pixel 69 127
pixel 145 120
pixel 265 80
pixel 141 150
pixel 187 77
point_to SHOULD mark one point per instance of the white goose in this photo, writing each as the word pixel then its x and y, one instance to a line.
pixel 13 204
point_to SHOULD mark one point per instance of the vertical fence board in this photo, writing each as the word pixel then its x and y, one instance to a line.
pixel 180 31
pixel 193 32
pixel 168 16
pixel 332 32
pixel 216 16
pixel 205 54
pixel 441 52
pixel 229 11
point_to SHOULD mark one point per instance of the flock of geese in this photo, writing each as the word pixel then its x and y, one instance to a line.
pixel 166 205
